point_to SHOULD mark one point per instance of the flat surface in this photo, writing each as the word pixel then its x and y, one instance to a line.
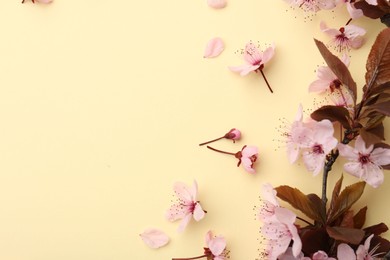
pixel 103 105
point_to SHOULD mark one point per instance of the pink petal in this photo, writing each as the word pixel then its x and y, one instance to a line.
pixel 209 236
pixel 252 54
pixel 217 245
pixel 217 4
pixel 268 54
pixel 345 252
pixel 360 145
pixel 331 32
pixel 285 216
pixel 353 12
pixel 175 212
pixel 380 156
pixel 154 238
pixel 319 86
pixel 184 222
pixel 248 165
pixel 372 2
pixel 183 192
pixel 214 47
pixel 347 152
pixel 244 69
pixel 373 175
pixel 198 212
pixel 268 193
pixel 194 190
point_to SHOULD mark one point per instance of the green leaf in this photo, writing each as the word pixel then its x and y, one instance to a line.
pixel 300 201
pixel 333 113
pixel 346 199
pixel 348 235
pixel 338 68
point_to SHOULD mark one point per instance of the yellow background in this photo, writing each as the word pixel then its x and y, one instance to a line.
pixel 103 105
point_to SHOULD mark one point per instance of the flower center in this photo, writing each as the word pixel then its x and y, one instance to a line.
pixel 336 84
pixel 317 149
pixel 364 159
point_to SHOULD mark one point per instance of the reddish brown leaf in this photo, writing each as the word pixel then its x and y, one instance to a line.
pixel 318 204
pixel 373 135
pixel 347 220
pixel 382 107
pixel 384 246
pixel 378 61
pixel 314 239
pixel 371 11
pixel 335 195
pixel 346 199
pixel 333 113
pixel 339 68
pixel 360 218
pixel 348 235
pixel 376 229
pixel 299 201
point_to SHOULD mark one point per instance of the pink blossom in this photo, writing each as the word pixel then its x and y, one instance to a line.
pixel 313 5
pixel 214 47
pixel 269 203
pixel 345 38
pixel 321 255
pixel 295 136
pixel 154 238
pixel 327 80
pixel 255 59
pixel 248 156
pixel 280 232
pixel 234 134
pixel 288 255
pixel 344 251
pixel 365 163
pixel 216 247
pixel 318 142
pixel 217 4
pixel 187 206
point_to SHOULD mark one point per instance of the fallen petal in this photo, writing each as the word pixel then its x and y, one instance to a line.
pixel 214 47
pixel 154 238
pixel 217 4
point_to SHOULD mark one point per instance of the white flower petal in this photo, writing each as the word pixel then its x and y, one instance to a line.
pixel 154 238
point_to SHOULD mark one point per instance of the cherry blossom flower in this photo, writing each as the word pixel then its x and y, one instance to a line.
pixel 234 134
pixel 288 255
pixel 344 251
pixel 312 5
pixel 214 47
pixel 269 203
pixel 217 4
pixel 255 60
pixel 318 143
pixel 154 238
pixel 345 38
pixel 280 232
pixel 215 250
pixel 40 1
pixel 365 163
pixel 247 157
pixel 327 80
pixel 187 206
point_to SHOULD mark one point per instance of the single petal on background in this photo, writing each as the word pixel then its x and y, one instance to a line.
pixel 217 4
pixel 154 238
pixel 214 47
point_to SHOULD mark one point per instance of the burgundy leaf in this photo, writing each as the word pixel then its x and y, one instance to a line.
pixel 347 220
pixel 384 246
pixel 378 61
pixel 382 107
pixel 335 195
pixel 348 235
pixel 346 199
pixel 314 239
pixel 373 135
pixel 338 68
pixel 376 229
pixel 371 11
pixel 299 201
pixel 333 113
pixel 360 218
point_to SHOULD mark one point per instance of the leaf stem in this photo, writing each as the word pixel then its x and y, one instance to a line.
pixel 331 159
pixel 219 151
pixel 196 257
pixel 212 141
pixel 266 81
pixel 304 220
